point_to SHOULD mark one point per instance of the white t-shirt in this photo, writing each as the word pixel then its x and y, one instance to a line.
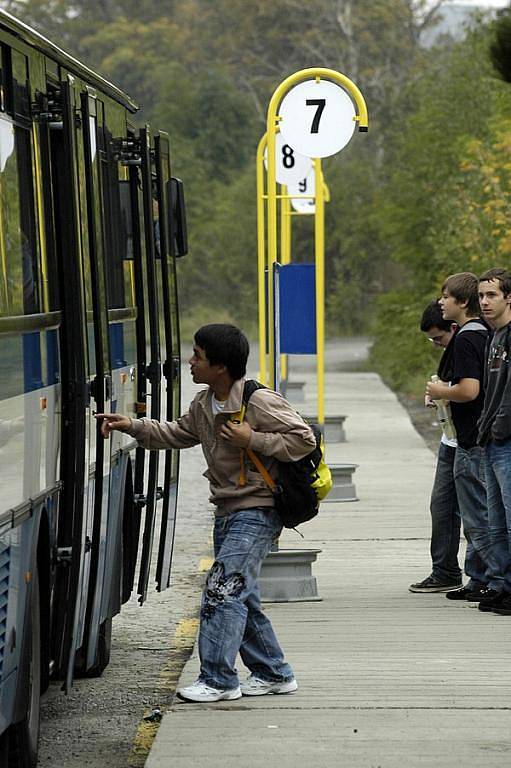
pixel 217 406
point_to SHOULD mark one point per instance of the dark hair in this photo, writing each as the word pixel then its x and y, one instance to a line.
pixel 503 276
pixel 464 287
pixel 432 318
pixel 224 345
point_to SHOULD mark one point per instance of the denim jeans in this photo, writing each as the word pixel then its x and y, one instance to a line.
pixel 498 479
pixel 470 479
pixel 445 519
pixel 231 616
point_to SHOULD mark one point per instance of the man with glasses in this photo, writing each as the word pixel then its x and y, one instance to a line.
pixel 464 392
pixel 445 514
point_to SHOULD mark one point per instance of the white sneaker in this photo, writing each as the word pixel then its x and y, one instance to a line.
pixel 201 691
pixel 254 686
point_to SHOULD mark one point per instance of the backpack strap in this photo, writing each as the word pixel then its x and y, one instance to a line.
pixel 250 386
pixel 473 325
pixel 268 479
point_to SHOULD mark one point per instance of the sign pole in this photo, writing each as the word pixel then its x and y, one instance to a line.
pixel 272 230
pixel 319 248
pixel 261 260
pixel 285 248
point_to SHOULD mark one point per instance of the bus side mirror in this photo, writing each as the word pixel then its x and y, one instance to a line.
pixel 177 218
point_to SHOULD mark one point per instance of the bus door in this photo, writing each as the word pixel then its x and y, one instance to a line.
pixel 100 380
pixel 59 156
pixel 167 292
pixel 153 368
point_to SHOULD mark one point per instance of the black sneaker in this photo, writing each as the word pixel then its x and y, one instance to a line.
pixel 476 593
pixel 490 599
pixel 504 609
pixel 431 584
pixel 465 593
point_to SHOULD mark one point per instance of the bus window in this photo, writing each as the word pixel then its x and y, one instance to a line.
pixel 126 240
pixel 19 292
pixel 118 246
pixel 20 92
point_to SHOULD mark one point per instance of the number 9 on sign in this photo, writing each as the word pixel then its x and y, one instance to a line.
pixel 317 118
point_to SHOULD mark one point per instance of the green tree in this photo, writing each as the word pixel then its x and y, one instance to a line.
pixel 445 197
pixel 205 72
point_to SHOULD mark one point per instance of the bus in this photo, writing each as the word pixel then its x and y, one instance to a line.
pixel 91 225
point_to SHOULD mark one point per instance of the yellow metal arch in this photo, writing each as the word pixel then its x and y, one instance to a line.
pixel 344 82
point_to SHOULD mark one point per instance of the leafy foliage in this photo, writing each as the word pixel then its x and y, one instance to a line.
pixel 500 48
pixel 205 71
pixel 423 195
pixel 447 192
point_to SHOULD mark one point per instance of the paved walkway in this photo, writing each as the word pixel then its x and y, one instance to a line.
pixel 387 679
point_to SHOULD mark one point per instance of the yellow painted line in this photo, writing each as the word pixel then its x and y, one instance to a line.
pixel 186 629
pixel 182 642
pixel 205 564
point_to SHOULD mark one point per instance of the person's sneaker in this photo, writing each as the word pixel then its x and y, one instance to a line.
pixel 431 584
pixel 202 692
pixel 466 593
pixel 458 594
pixel 490 599
pixel 476 593
pixel 504 609
pixel 254 686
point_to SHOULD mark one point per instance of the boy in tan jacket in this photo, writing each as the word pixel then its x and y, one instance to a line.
pixel 246 521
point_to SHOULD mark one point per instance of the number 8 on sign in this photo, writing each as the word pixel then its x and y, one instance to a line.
pixel 290 166
pixel 317 118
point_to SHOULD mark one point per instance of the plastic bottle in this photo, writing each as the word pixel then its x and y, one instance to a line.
pixel 444 415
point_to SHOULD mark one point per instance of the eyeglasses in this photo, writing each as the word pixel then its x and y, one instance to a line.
pixel 436 339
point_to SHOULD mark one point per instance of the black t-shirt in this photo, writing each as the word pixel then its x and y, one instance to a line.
pixel 468 363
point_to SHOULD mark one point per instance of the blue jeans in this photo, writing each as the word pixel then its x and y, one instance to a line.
pixel 445 519
pixel 231 616
pixel 484 566
pixel 498 479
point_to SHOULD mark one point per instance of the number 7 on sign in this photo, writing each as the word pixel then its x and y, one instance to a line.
pixel 320 104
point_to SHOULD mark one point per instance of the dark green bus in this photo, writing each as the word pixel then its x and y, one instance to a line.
pixel 91 224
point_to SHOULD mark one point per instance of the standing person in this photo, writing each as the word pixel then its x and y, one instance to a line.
pixel 246 521
pixel 460 304
pixel 445 515
pixel 495 429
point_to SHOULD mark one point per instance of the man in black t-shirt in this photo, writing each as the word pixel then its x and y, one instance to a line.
pixel 460 304
pixel 445 514
pixel 495 428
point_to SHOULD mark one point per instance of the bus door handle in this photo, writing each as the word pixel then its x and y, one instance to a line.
pixel 171 368
pixel 108 387
pixel 94 390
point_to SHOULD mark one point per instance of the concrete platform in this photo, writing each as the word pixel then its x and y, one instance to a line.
pixel 387 678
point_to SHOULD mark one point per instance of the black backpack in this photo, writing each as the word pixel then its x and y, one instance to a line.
pixel 296 499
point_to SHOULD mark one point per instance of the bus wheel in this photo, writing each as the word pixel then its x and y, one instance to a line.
pixel 103 651
pixel 23 737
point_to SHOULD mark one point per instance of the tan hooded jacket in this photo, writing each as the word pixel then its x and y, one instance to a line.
pixel 278 433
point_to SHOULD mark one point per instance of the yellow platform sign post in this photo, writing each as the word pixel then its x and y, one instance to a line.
pixel 291 167
pixel 299 199
pixel 314 112
pixel 261 259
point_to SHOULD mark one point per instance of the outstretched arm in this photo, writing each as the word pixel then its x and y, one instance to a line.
pixel 113 421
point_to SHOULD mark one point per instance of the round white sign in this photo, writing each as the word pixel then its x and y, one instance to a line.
pixel 290 167
pixel 317 118
pixel 306 186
